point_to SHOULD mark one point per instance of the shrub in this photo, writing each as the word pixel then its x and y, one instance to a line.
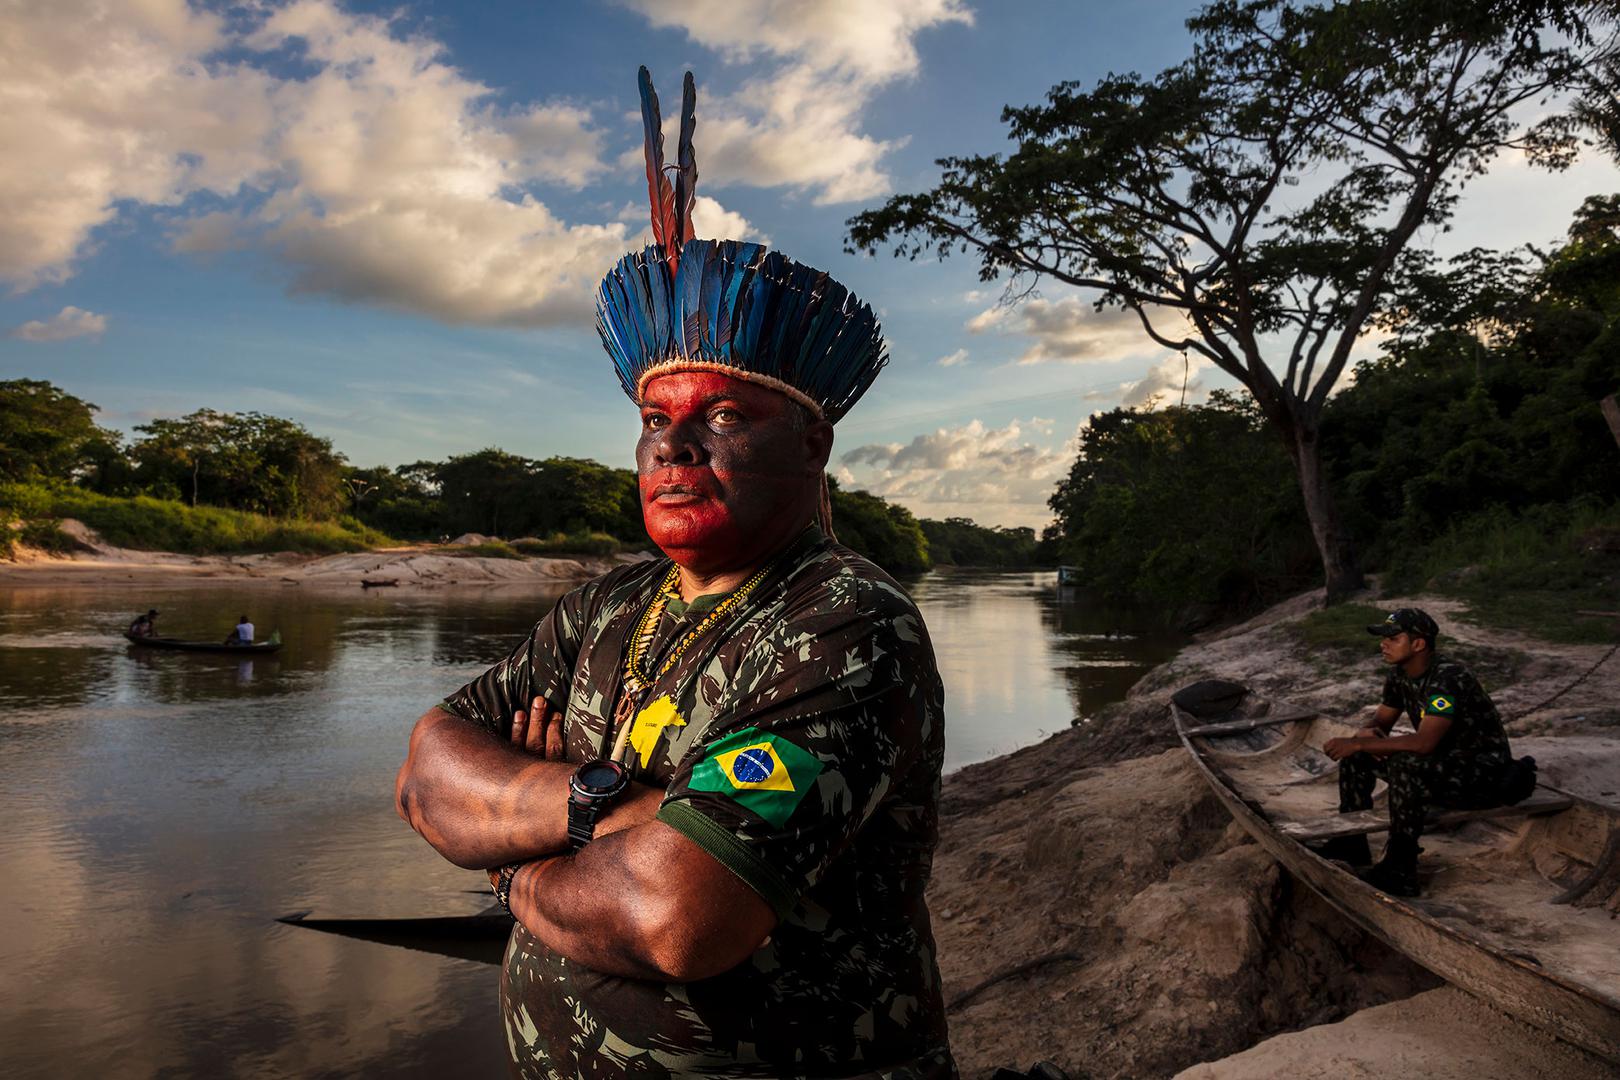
pixel 152 524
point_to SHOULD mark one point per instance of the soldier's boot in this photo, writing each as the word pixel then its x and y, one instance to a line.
pixel 1346 849
pixel 1396 872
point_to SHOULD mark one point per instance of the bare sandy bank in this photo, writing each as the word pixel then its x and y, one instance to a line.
pixel 1094 905
pixel 417 567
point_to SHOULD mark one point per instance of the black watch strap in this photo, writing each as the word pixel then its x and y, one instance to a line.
pixel 582 822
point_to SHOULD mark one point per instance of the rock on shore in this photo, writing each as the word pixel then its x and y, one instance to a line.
pixel 1095 906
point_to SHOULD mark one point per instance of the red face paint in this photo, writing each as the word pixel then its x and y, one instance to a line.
pixel 727 476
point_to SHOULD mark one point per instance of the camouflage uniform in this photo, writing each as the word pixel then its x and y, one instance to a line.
pixel 804 754
pixel 1464 771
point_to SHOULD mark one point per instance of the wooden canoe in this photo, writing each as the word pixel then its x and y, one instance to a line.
pixel 481 937
pixel 258 648
pixel 1519 903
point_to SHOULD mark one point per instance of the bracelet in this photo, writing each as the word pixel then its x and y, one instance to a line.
pixel 503 885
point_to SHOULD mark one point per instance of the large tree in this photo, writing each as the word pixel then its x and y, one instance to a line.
pixel 48 434
pixel 246 461
pixel 1252 204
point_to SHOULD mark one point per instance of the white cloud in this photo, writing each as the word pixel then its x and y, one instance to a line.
pixel 955 359
pixel 70 322
pixel 384 176
pixel 1068 331
pixel 799 125
pixel 993 475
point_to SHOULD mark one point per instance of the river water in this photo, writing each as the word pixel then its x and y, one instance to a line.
pixel 157 810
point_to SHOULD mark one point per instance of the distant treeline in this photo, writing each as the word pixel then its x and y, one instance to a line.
pixel 1473 447
pixel 214 481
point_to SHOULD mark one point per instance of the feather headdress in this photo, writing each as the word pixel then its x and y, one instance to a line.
pixel 723 305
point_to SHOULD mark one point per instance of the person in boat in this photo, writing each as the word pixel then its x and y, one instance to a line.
pixel 709 783
pixel 145 625
pixel 241 633
pixel 1457 756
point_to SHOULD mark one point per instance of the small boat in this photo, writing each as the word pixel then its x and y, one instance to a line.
pixel 1519 902
pixel 481 937
pixel 258 648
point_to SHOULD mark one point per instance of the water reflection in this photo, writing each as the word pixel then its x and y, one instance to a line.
pixel 162 807
pixel 1021 662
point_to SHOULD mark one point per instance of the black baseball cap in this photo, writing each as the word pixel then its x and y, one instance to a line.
pixel 1407 620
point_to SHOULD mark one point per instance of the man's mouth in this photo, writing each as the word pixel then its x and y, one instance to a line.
pixel 674 494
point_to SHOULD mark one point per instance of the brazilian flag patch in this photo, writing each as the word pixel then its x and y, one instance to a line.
pixel 1440 705
pixel 768 775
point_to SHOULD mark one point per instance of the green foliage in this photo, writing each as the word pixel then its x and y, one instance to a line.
pixel 1184 506
pixel 502 494
pixel 246 461
pixel 959 541
pixel 152 524
pixel 495 549
pixel 48 434
pixel 45 536
pixel 884 532
pixel 589 543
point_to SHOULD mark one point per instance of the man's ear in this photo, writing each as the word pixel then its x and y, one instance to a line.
pixel 818 443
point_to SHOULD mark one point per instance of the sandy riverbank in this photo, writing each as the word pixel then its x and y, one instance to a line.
pixel 424 566
pixel 1147 934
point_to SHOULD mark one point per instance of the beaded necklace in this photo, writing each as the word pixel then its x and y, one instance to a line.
pixel 637 679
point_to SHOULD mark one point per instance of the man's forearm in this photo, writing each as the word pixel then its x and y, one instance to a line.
pixel 482 802
pixel 624 907
pixel 479 801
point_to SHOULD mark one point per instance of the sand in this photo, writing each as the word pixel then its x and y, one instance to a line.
pixel 1439 1035
pixel 424 566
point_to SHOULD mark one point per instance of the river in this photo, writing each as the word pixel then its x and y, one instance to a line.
pixel 160 809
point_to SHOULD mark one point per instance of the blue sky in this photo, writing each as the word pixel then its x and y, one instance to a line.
pixel 386 220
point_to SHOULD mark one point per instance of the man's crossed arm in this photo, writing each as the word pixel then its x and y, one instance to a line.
pixel 641 900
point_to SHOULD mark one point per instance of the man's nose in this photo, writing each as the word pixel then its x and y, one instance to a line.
pixel 677 445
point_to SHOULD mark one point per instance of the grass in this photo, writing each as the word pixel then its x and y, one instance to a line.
pixel 1337 636
pixel 495 549
pixel 1531 573
pixel 151 524
pixel 579 543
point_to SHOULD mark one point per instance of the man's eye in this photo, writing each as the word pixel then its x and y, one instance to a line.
pixel 725 416
pixel 654 421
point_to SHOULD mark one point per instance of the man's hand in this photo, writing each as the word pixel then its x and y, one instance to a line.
pixel 540 730
pixel 1339 749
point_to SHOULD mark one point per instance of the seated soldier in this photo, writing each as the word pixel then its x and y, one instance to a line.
pixel 1457 757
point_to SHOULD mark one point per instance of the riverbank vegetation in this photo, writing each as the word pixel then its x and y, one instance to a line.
pixel 215 482
pixel 1471 456
pixel 1261 206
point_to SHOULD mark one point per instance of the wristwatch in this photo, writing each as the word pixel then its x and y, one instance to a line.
pixel 591 790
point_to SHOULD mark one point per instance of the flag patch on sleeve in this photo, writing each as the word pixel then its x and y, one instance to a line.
pixel 1440 705
pixel 766 774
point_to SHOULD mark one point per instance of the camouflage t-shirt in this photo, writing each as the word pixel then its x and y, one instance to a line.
pixel 1449 689
pixel 800 742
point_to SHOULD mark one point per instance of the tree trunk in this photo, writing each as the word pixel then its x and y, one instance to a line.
pixel 1341 573
pixel 196 466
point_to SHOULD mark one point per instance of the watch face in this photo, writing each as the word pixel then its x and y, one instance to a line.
pixel 598 777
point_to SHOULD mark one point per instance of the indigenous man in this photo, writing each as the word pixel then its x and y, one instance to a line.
pixel 709 782
pixel 1457 756
pixel 144 625
pixel 241 633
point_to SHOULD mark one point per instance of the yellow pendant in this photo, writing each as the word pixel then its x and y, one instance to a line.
pixel 649 726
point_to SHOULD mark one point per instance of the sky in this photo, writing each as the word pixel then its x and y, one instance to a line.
pixel 386 221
